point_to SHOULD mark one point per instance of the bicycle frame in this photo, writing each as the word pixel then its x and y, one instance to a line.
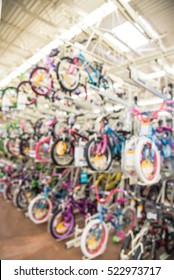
pixel 88 65
pixel 117 145
pixel 136 241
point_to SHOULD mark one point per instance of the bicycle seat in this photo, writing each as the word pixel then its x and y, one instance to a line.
pixel 163 128
pixel 91 132
pixel 54 52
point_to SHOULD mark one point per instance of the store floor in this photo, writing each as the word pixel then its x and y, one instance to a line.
pixel 21 239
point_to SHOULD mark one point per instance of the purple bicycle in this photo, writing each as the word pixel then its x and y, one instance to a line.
pixel 63 221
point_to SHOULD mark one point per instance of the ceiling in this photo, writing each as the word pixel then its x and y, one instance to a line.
pixel 27 26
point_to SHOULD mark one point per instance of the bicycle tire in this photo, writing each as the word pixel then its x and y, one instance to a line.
pixel 35 88
pixel 169 190
pixel 88 159
pixel 43 219
pixel 138 155
pixel 33 100
pixel 126 245
pixel 53 225
pixel 169 237
pixel 131 225
pixel 148 249
pixel 105 83
pixel 88 252
pixel 21 203
pixel 24 143
pixel 55 158
pixel 58 72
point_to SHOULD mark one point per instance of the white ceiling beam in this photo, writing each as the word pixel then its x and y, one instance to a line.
pixel 152 56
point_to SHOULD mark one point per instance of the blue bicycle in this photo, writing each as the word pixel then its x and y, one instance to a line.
pixel 102 149
pixel 69 73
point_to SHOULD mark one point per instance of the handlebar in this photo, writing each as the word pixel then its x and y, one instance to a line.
pixel 108 194
pixel 163 106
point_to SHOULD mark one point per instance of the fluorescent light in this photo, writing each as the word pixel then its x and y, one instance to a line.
pixel 117 85
pixel 115 42
pixel 99 13
pixel 130 35
pixel 152 101
pixel 109 108
pixel 96 111
pixel 148 27
pixel 88 21
pixel 155 75
pixel 118 107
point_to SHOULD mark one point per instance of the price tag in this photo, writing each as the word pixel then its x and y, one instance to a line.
pixel 144 130
pixel 129 160
pixel 32 154
pixel 151 216
pixel 80 156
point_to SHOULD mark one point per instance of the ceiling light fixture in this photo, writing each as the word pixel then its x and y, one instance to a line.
pixel 155 75
pixel 130 35
pixel 148 27
pixel 153 101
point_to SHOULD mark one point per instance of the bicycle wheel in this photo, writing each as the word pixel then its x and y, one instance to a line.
pixel 23 198
pixel 7 192
pixel 24 147
pixel 9 98
pixel 42 150
pixel 145 251
pixel 11 146
pixel 169 190
pixel 153 192
pixel 62 152
pixel 94 238
pixel 169 241
pixel 61 224
pixel 2 186
pixel 128 220
pixel 25 94
pixel 41 81
pixel 96 160
pixel 68 74
pixel 147 161
pixel 105 84
pixel 39 209
pixel 126 247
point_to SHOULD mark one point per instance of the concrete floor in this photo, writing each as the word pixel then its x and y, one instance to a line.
pixel 21 239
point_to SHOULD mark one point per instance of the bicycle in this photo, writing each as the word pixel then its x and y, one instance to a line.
pixel 102 149
pixel 41 207
pixel 62 222
pixel 62 151
pixel 149 235
pixel 95 235
pixel 69 73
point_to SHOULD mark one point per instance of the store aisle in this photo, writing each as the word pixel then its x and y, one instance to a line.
pixel 21 239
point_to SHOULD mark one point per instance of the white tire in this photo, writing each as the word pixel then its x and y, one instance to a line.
pixel 157 165
pixel 86 252
pixel 39 220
